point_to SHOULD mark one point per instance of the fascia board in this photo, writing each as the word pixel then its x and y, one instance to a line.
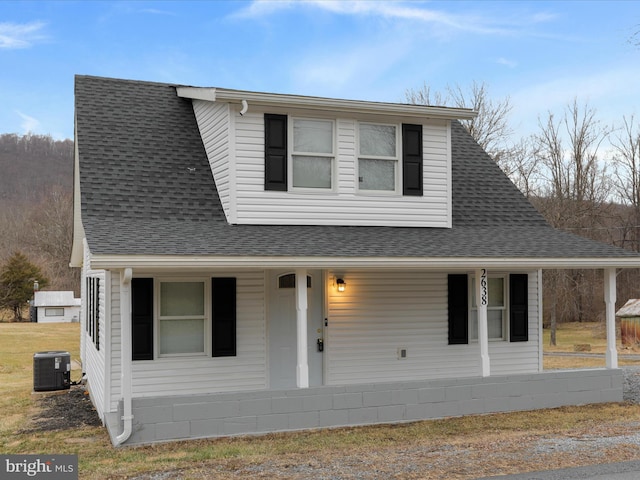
pixel 321 103
pixel 170 262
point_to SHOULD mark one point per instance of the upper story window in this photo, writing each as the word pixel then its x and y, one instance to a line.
pixel 300 155
pixel 378 157
pixel 312 153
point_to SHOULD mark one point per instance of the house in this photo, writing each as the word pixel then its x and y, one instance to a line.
pixel 257 262
pixel 56 307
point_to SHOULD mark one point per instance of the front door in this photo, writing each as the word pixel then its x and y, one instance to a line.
pixel 283 328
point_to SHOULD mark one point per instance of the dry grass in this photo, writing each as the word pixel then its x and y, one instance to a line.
pixel 455 448
pixel 570 334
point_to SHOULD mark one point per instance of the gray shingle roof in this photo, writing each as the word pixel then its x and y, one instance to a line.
pixel 147 189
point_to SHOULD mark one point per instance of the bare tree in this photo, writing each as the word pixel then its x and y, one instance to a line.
pixel 626 145
pixel 490 128
pixel 575 197
pixel 521 166
pixel 577 185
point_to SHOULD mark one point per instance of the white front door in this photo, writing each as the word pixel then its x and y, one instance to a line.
pixel 282 329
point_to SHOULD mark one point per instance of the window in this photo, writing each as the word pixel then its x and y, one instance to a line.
pixel 312 153
pixel 300 154
pixel 508 300
pixel 53 312
pixel 181 317
pixel 181 313
pixel 496 309
pixel 92 310
pixel 377 157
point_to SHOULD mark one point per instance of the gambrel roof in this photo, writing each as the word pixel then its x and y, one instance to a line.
pixel 146 190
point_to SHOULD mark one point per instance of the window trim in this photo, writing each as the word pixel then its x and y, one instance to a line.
pixel 59 311
pixel 396 159
pixel 293 153
pixel 206 317
pixel 504 308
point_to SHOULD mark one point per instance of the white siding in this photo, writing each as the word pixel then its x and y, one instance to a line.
pixel 381 312
pixel 206 374
pixel 93 360
pixel 520 357
pixel 115 346
pixel 242 158
pixel 70 314
pixel 213 122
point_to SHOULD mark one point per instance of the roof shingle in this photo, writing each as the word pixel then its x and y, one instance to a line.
pixel 147 189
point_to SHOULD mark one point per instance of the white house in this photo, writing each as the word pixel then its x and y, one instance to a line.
pixel 255 262
pixel 56 307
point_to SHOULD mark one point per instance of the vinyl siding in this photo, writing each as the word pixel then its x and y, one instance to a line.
pixel 382 312
pixel 206 374
pixel 215 129
pixel 344 205
pixel 93 360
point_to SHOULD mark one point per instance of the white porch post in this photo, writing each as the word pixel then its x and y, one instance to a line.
pixel 610 315
pixel 302 366
pixel 482 300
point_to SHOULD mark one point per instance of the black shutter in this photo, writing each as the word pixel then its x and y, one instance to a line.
pixel 142 318
pixel 412 160
pixel 223 317
pixel 518 308
pixel 458 302
pixel 275 152
pixel 96 317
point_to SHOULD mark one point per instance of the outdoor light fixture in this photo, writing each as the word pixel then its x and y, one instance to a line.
pixel 340 284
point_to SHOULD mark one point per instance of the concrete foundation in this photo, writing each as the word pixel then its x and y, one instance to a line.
pixel 160 419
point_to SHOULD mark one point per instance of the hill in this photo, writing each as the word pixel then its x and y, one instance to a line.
pixel 36 199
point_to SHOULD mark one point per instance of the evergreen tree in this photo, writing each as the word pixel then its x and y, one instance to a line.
pixel 17 278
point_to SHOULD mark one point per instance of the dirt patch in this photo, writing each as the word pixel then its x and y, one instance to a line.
pixel 62 411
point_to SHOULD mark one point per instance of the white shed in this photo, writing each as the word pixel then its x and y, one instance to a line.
pixel 56 307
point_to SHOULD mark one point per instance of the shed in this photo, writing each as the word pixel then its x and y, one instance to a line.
pixel 56 307
pixel 629 315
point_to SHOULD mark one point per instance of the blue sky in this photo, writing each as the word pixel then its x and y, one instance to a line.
pixel 541 55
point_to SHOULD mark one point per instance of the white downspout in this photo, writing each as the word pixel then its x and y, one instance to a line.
pixel 125 353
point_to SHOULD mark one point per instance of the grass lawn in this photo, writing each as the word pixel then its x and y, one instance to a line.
pixel 99 460
pixel 568 335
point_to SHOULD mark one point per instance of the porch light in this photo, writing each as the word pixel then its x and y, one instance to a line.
pixel 340 284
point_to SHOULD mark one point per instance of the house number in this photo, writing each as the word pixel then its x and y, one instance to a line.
pixel 483 287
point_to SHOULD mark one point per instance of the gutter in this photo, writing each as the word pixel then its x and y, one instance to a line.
pixel 198 263
pixel 125 355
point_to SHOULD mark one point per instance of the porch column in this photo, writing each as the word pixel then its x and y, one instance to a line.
pixel 610 316
pixel 482 300
pixel 302 366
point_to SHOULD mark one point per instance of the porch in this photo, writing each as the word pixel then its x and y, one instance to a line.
pixel 158 419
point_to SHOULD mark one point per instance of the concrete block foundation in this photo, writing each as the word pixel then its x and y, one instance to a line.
pixel 161 419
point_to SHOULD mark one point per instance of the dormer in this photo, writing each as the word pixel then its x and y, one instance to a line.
pixel 297 160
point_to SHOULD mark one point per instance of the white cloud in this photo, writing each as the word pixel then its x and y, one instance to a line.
pixel 15 35
pixel 410 11
pixel 506 62
pixel 610 90
pixel 28 124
